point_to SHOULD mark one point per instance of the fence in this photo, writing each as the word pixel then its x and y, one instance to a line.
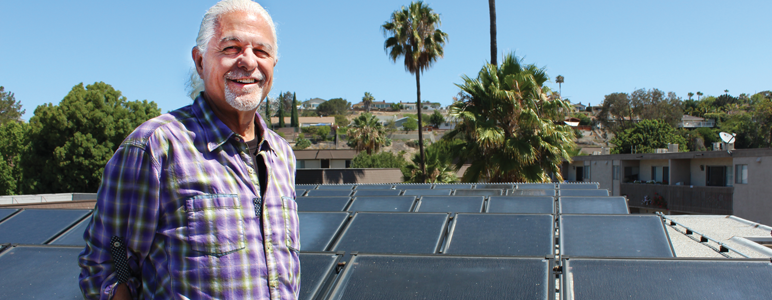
pixel 698 199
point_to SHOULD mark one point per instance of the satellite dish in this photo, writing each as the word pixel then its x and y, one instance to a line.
pixel 727 137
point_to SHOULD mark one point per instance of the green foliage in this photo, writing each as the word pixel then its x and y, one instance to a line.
pixel 341 120
pixel 323 132
pixel 311 131
pixel 378 160
pixel 396 106
pixel 302 143
pixel 367 134
pixel 336 106
pixel 12 145
pixel 367 100
pixel 508 124
pixel 281 111
pixel 410 124
pixel 439 165
pixel 436 119
pixel 70 143
pixel 620 110
pixel 645 137
pixel 308 113
pixel 583 119
pixel 708 135
pixel 10 109
pixel 294 122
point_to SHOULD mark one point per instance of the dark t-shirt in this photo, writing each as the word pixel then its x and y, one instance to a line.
pixel 262 172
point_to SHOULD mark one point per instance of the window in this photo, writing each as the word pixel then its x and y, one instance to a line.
pixel 741 174
pixel 615 171
pixel 654 173
pixel 666 175
pixel 716 176
pixel 587 173
pixel 301 164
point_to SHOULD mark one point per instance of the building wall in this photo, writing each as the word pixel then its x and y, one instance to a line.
pixel 753 201
pixel 338 164
pixel 699 176
pixel 313 164
pixel 332 176
pixel 645 170
pixel 601 172
pixel 616 183
pixel 680 171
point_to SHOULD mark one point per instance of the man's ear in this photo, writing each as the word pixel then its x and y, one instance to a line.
pixel 198 60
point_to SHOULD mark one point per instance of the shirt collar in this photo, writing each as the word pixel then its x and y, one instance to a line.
pixel 215 132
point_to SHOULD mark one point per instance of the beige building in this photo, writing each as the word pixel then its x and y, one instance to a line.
pixel 711 182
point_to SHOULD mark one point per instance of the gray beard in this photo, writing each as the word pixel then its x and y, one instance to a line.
pixel 247 102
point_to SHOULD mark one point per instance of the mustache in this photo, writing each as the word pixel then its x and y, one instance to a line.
pixel 237 74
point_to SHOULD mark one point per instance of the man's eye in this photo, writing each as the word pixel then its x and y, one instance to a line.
pixel 230 50
pixel 261 53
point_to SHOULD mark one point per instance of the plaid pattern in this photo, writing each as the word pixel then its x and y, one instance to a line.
pixel 181 192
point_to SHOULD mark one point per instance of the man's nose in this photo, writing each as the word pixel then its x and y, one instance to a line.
pixel 248 60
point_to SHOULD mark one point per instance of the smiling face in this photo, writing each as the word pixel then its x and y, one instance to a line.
pixel 237 67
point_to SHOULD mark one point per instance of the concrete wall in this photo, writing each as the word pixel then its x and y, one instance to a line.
pixel 327 176
pixel 680 171
pixel 601 172
pixel 699 177
pixel 338 164
pixel 646 165
pixel 313 164
pixel 753 201
pixel 616 183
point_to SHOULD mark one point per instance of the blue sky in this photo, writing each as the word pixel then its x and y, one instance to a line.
pixel 334 49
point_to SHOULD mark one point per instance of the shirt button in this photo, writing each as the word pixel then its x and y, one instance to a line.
pixel 117 244
pixel 250 170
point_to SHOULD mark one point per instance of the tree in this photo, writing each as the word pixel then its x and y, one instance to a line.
pixel 367 134
pixel 267 112
pixel 438 166
pixel 583 119
pixel 436 119
pixel 410 124
pixel 12 145
pixel 396 106
pixel 294 122
pixel 336 106
pixel 492 11
pixel 559 80
pixel 70 143
pixel 367 100
pixel 10 109
pixel 690 94
pixel 302 143
pixel 413 34
pixel 699 94
pixel 645 136
pixel 281 111
pixel 378 160
pixel 323 132
pixel 620 110
pixel 508 125
pixel 341 120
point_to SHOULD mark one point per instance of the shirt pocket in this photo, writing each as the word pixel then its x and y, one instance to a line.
pixel 291 224
pixel 215 224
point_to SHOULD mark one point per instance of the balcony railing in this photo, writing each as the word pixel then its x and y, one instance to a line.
pixel 697 124
pixel 698 199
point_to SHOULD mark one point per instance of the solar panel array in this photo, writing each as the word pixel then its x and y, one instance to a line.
pixel 435 241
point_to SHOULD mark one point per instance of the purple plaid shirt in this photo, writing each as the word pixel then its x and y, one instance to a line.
pixel 176 215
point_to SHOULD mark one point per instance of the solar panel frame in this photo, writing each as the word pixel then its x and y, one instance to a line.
pixel 428 203
pixel 593 205
pixel 453 186
pixel 306 186
pixel 355 220
pixel 531 204
pixel 374 187
pixel 319 287
pixel 381 204
pixel 300 192
pixel 414 186
pixel 329 193
pixel 323 203
pixel 478 192
pixel 638 237
pixel 680 279
pixel 536 186
pixel 335 187
pixel 392 276
pixel 39 225
pixel 73 236
pixel 384 192
pixel 6 213
pixel 578 186
pixel 40 272
pixel 508 234
pixel 325 236
pixel 495 186
pixel 432 192
pixel 532 192
pixel 583 193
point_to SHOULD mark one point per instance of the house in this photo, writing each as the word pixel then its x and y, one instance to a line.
pixel 696 122
pixel 708 182
pixel 324 159
pixel 450 123
pixel 375 105
pixel 579 107
pixel 407 105
pixel 313 103
pixel 305 121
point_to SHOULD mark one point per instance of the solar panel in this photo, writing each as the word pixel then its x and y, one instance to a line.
pixel 583 193
pixel 377 192
pixel 480 192
pixel 666 279
pixel 40 273
pixel 453 186
pixel 318 268
pixel 502 235
pixel 5 212
pixel 450 204
pixel 305 186
pixel 528 192
pixel 496 186
pixel 335 187
pixel 36 226
pixel 392 204
pixel 74 236
pixel 613 236
pixel 578 186
pixel 322 203
pixel 329 193
pixel 593 205
pixel 318 229
pixel 415 233
pixel 442 192
pixel 300 192
pixel 444 277
pixel 417 186
pixel 536 186
pixel 374 187
pixel 521 205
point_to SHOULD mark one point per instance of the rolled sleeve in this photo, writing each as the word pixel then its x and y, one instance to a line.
pixel 123 224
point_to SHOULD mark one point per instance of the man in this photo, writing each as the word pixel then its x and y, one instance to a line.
pixel 199 203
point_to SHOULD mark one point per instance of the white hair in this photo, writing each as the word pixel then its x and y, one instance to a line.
pixel 208 24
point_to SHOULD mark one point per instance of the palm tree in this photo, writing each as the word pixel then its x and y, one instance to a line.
pixel 492 10
pixel 699 94
pixel 508 125
pixel 440 170
pixel 560 80
pixel 690 95
pixel 367 100
pixel 412 33
pixel 367 134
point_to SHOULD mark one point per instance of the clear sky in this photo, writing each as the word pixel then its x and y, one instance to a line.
pixel 334 49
